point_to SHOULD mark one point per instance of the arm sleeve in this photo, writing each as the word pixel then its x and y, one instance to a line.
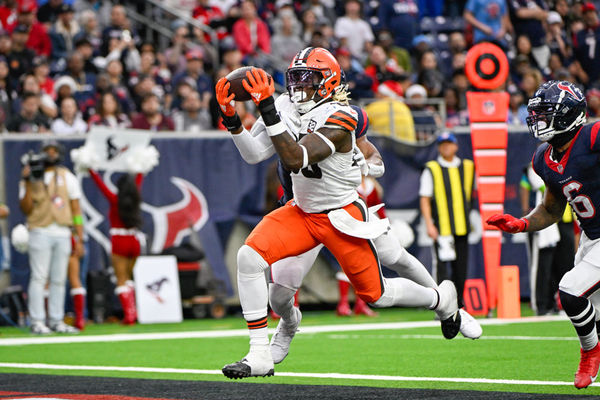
pixel 102 186
pixel 426 184
pixel 369 37
pixel 535 180
pixel 21 189
pixel 73 187
pixel 254 146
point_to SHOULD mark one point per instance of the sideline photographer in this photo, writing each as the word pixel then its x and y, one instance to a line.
pixel 49 197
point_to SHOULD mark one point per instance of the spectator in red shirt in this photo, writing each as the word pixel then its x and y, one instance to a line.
pixel 382 68
pixel 8 13
pixel 151 117
pixel 251 34
pixel 38 40
pixel 205 13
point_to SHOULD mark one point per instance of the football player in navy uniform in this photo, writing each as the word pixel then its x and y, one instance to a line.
pixel 568 163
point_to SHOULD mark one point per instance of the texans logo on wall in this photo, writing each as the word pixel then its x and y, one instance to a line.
pixel 171 222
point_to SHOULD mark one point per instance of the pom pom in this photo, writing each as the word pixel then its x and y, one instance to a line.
pixel 142 159
pixel 20 238
pixel 84 158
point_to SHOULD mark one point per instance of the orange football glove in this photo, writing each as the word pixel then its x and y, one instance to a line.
pixel 508 223
pixel 258 85
pixel 225 99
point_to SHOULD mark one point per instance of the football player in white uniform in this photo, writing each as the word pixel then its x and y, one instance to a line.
pixel 314 137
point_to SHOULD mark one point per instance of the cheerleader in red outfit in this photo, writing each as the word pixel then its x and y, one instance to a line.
pixel 78 292
pixel 125 218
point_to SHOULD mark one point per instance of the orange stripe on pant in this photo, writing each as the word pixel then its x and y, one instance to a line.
pixel 289 231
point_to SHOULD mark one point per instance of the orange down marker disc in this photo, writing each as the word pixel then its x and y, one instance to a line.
pixel 486 66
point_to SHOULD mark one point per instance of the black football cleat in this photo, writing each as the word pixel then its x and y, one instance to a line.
pixel 256 366
pixel 451 326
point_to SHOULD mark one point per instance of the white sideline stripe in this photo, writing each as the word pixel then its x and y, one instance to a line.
pixel 492 206
pixel 492 179
pixel 436 337
pixel 122 337
pixel 331 375
pixel 489 125
pixel 489 152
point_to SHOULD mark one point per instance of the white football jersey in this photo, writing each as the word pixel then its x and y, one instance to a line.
pixel 331 183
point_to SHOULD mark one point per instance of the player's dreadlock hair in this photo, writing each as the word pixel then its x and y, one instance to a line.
pixel 342 94
pixel 129 201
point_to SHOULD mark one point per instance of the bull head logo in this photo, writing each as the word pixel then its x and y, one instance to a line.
pixel 175 221
pixel 172 222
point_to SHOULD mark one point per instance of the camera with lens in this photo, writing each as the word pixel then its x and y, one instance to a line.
pixel 37 164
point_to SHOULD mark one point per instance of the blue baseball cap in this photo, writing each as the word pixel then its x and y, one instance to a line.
pixel 446 137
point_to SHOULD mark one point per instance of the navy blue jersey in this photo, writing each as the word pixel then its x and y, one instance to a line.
pixel 586 48
pixel 576 177
pixel 286 179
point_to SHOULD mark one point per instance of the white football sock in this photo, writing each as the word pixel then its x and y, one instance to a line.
pixel 406 293
pixel 394 256
pixel 252 288
pixel 408 266
pixel 282 302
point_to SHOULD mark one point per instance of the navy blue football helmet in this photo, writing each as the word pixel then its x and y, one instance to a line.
pixel 555 108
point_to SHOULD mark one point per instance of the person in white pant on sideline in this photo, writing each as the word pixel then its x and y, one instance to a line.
pixel 49 197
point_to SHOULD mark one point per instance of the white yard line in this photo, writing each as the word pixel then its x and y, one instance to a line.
pixel 332 375
pixel 122 337
pixel 440 337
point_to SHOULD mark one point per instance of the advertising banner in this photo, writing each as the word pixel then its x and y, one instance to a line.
pixel 203 185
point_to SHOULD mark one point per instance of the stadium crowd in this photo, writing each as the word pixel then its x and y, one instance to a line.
pixel 68 65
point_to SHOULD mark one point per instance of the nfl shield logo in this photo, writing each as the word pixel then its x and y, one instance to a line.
pixel 560 168
pixel 489 107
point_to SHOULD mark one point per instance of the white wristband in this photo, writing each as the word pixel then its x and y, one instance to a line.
pixel 276 129
pixel 376 170
pixel 304 157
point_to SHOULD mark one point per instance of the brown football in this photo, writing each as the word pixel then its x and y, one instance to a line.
pixel 235 78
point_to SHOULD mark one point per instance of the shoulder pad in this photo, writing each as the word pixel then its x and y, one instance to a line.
pixel 537 161
pixel 283 100
pixel 362 125
pixel 341 117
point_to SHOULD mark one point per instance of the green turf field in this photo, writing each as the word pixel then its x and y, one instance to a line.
pixel 546 352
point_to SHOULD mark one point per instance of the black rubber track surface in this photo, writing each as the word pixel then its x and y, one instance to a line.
pixel 45 385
